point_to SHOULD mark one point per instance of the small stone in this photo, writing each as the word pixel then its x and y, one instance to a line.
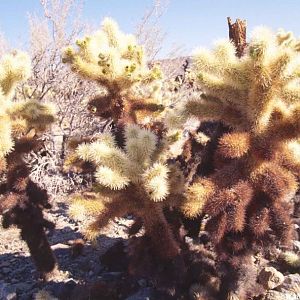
pixel 188 240
pixel 291 284
pixel 275 295
pixel 60 246
pixel 270 278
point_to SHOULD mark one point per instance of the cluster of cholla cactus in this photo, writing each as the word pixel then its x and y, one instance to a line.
pixel 248 196
pixel 21 122
pixel 133 172
pixel 246 193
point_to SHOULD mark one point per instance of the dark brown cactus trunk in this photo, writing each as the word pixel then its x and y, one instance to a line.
pixel 237 34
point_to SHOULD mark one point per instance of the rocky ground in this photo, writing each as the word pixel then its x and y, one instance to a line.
pixel 88 263
pixel 18 278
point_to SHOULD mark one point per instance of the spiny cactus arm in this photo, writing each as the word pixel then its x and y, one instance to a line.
pixel 196 197
pixel 146 107
pixel 234 145
pixel 103 153
pixel 270 64
pixel 226 92
pixel 176 179
pixel 36 114
pixel 231 198
pixel 281 222
pixel 277 182
pixel 291 259
pixel 259 216
pixel 117 207
pixel 6 143
pixel 14 68
pixel 285 38
pixel 155 181
pixel 237 209
pixel 288 156
pixel 110 57
pixel 221 61
pixel 113 179
pixel 291 92
pixel 216 226
pixel 176 117
pixel 211 110
pixel 39 247
pixel 82 206
pixel 287 128
pixel 27 215
pixel 158 229
pixel 73 163
pixel 139 143
pixel 8 201
pixel 101 105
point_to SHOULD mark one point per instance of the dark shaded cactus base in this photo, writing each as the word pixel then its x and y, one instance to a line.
pixel 21 204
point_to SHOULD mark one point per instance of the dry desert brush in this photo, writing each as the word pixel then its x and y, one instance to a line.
pixel 21 123
pixel 248 197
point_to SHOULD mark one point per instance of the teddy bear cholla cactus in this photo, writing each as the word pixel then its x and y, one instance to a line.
pixel 21 200
pixel 130 166
pixel 134 180
pixel 248 196
pixel 117 64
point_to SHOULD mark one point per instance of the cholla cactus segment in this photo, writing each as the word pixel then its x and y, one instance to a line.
pixel 82 207
pixel 20 124
pixel 14 68
pixel 140 144
pixel 118 64
pixel 7 142
pixel 291 259
pixel 196 197
pixel 109 56
pixel 234 145
pixel 111 178
pixel 37 115
pixel 155 182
